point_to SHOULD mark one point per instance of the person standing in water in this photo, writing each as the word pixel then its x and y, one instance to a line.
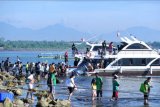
pixel 115 84
pixel 66 58
pixel 30 85
pixel 71 85
pixel 99 84
pixel 94 87
pixel 146 92
pixel 51 81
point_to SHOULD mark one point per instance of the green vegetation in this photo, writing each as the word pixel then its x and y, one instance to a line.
pixel 37 45
pixel 48 45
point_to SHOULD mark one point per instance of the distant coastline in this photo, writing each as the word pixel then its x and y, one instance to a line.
pixel 23 49
pixel 7 45
pixel 48 45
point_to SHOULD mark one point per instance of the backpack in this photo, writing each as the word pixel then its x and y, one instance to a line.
pixel 49 79
pixel 142 88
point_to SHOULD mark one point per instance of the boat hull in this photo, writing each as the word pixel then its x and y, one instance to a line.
pixel 126 73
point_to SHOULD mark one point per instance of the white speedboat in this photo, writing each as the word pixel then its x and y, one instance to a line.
pixel 54 56
pixel 131 57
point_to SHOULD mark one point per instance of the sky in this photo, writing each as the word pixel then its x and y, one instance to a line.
pixel 87 16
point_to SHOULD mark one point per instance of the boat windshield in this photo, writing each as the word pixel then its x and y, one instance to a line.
pixel 83 65
pixel 96 48
pixel 121 45
pixel 96 63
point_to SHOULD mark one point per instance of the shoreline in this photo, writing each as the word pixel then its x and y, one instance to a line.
pixel 23 50
pixel 32 50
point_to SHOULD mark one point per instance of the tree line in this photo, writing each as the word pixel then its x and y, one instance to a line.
pixel 37 45
pixel 48 45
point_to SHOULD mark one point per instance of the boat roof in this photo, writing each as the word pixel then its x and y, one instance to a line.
pixel 126 42
pixel 133 42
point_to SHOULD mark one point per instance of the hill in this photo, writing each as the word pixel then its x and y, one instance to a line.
pixel 60 32
pixel 142 33
pixel 56 32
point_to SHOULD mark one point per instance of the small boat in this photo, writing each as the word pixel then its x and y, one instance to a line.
pixel 53 56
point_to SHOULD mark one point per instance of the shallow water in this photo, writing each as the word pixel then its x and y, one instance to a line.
pixel 31 56
pixel 129 95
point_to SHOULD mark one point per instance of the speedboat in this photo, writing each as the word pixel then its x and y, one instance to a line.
pixel 130 57
pixel 53 56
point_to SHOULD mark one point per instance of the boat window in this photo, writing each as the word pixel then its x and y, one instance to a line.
pixel 96 48
pixel 121 46
pixel 144 61
pixel 156 62
pixel 117 63
pixel 108 61
pixel 132 62
pixel 101 63
pixel 137 46
pixel 96 63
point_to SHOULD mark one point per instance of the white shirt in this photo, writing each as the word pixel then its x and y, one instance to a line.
pixel 31 78
pixel 70 82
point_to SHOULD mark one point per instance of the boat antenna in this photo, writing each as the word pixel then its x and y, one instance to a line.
pixel 127 39
pixel 134 38
pixel 118 34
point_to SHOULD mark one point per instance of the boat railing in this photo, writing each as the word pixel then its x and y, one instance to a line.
pixel 96 53
pixel 93 54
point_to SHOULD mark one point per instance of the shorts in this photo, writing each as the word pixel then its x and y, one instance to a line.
pixel 30 86
pixel 71 89
pixel 146 96
pixel 94 92
pixel 115 94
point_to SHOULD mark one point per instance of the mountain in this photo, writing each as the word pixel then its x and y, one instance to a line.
pixel 60 32
pixel 56 32
pixel 141 33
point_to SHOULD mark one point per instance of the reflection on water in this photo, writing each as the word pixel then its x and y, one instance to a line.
pixel 129 95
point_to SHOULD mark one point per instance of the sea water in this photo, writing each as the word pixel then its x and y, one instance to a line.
pixel 32 56
pixel 129 94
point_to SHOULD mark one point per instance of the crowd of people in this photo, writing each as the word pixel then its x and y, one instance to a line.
pixel 102 51
pixel 97 88
pixel 34 72
pixel 39 68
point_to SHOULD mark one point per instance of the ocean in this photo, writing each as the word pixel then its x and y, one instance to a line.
pixel 32 56
pixel 129 94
